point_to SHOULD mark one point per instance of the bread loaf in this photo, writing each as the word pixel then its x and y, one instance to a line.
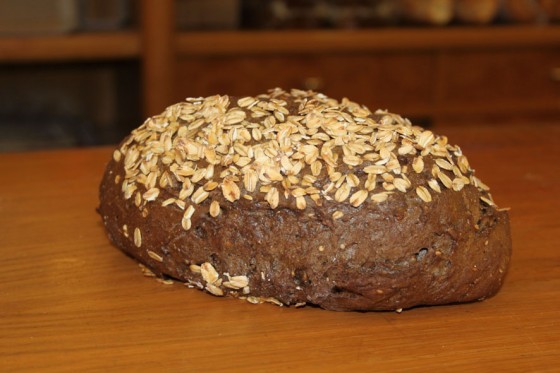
pixel 296 198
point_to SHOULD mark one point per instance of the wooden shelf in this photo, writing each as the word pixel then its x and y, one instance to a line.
pixel 500 107
pixel 414 61
pixel 348 41
pixel 126 44
pixel 80 46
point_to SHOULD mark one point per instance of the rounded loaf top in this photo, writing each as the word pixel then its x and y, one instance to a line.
pixel 295 148
pixel 295 198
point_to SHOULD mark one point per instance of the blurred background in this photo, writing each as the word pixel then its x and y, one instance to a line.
pixel 86 72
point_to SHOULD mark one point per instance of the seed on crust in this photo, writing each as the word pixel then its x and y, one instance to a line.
pixel 165 281
pixel 214 209
pixel 189 212
pixel 200 195
pixel 301 203
pixel 214 290
pixel 137 237
pixel 246 101
pixel 442 163
pixel 337 215
pixel 117 155
pixel 401 184
pixel 434 185
pixel 457 184
pixel 342 193
pixel 457 171
pixel 298 192
pixel 479 184
pixel 128 189
pixel 210 186
pixel 286 163
pixel 379 197
pixel 371 182
pixel 236 282
pixel 209 273
pixel 352 160
pixel 375 169
pixel 424 194
pixel 195 268
pixel 230 190
pixel 418 164
pixel 273 197
pixel 316 168
pixel 445 180
pixel 198 175
pixel 358 198
pixel 186 223
pixel 155 256
pixel 463 163
pixel 253 300
pixel 273 301
pixel 250 180
pixel 256 134
pixel 146 271
pixel 487 200
pixel 186 191
pixel 308 181
pixel 352 180
pixel 388 186
pixel 234 116
pixel 406 149
pixel 425 139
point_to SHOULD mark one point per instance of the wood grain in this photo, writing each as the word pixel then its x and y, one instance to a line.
pixel 158 25
pixel 431 74
pixel 402 82
pixel 373 40
pixel 73 47
pixel 69 301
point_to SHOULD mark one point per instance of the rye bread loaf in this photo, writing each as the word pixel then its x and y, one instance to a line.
pixel 295 198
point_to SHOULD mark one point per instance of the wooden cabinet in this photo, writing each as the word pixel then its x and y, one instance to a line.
pixel 439 75
pixel 399 81
pixel 517 80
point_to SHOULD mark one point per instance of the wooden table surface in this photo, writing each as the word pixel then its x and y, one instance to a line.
pixel 69 301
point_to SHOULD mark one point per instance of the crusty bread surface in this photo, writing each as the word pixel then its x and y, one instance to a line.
pixel 295 198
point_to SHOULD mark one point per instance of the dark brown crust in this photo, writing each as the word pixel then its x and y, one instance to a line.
pixel 379 256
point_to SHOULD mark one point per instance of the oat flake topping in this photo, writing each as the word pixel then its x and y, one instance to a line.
pixel 281 146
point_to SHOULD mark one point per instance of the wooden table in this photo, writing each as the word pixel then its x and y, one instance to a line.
pixel 69 301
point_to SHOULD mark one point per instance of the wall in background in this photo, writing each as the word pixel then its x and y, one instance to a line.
pixel 85 72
